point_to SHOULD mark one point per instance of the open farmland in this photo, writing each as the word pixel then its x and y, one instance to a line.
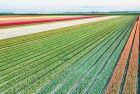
pixel 89 58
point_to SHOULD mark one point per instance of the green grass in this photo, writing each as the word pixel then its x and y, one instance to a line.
pixel 63 60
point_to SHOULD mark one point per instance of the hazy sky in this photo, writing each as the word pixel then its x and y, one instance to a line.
pixel 68 5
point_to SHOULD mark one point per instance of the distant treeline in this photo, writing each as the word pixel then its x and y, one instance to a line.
pixel 81 13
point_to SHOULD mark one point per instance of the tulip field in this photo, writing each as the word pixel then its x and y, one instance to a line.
pixel 97 57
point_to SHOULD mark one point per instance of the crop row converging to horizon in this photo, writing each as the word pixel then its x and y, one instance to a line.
pixel 81 59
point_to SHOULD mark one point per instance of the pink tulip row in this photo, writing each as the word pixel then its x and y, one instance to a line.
pixel 39 20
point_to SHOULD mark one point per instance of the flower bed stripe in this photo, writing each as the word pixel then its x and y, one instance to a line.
pixel 22 22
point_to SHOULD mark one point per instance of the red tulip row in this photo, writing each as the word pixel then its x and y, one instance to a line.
pixel 40 20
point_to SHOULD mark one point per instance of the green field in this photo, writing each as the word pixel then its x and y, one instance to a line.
pixel 73 60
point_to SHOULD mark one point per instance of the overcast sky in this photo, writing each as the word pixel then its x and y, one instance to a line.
pixel 19 6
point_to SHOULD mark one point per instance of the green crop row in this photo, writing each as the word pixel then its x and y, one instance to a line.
pixel 25 51
pixel 16 66
pixel 74 58
pixel 102 78
pixel 79 63
pixel 65 60
pixel 33 71
pixel 95 63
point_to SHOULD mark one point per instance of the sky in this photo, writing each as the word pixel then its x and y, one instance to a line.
pixel 55 6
